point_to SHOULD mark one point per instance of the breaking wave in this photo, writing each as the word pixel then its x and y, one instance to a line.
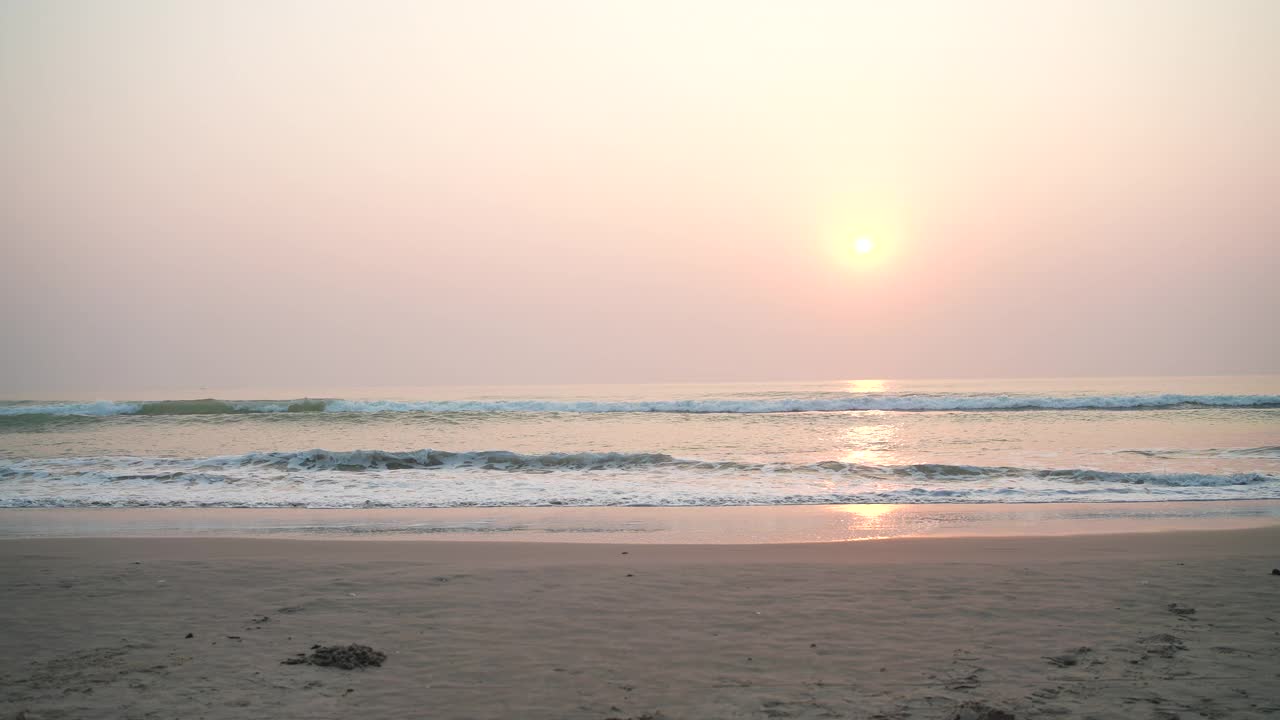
pixel 436 478
pixel 829 402
pixel 1265 451
pixel 504 460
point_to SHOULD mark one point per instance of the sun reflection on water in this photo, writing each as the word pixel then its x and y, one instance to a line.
pixel 869 522
pixel 869 444
pixel 871 513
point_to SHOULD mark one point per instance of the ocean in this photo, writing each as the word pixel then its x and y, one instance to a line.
pixel 865 441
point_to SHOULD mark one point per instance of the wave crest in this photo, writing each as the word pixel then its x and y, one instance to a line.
pixel 372 460
pixel 319 460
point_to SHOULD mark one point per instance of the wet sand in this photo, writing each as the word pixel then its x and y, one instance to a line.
pixel 1080 626
pixel 660 525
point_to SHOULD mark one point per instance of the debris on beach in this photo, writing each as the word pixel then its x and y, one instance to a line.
pixel 346 657
pixel 1275 571
pixel 975 710
pixel 1182 610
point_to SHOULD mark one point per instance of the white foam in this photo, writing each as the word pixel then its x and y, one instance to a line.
pixel 432 478
pixel 101 408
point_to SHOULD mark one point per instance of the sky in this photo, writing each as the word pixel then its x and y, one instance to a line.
pixel 261 192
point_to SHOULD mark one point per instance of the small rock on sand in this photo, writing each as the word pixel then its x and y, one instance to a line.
pixel 1177 609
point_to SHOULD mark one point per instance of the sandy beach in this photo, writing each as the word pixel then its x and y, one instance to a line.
pixel 1159 625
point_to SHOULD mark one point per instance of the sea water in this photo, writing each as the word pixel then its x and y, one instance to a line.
pixel 853 441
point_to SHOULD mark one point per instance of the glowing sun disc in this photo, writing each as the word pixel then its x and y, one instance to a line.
pixel 863 245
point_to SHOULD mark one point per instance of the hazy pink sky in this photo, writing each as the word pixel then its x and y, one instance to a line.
pixel 358 193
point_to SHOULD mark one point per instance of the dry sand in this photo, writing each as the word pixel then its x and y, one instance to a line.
pixel 906 628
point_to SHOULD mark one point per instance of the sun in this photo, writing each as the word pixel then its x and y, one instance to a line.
pixel 861 245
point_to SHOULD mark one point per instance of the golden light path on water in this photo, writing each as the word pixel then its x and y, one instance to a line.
pixel 869 444
pixel 870 513
pixel 866 386
pixel 868 522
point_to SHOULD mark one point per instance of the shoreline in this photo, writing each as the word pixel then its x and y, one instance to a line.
pixel 769 524
pixel 511 554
